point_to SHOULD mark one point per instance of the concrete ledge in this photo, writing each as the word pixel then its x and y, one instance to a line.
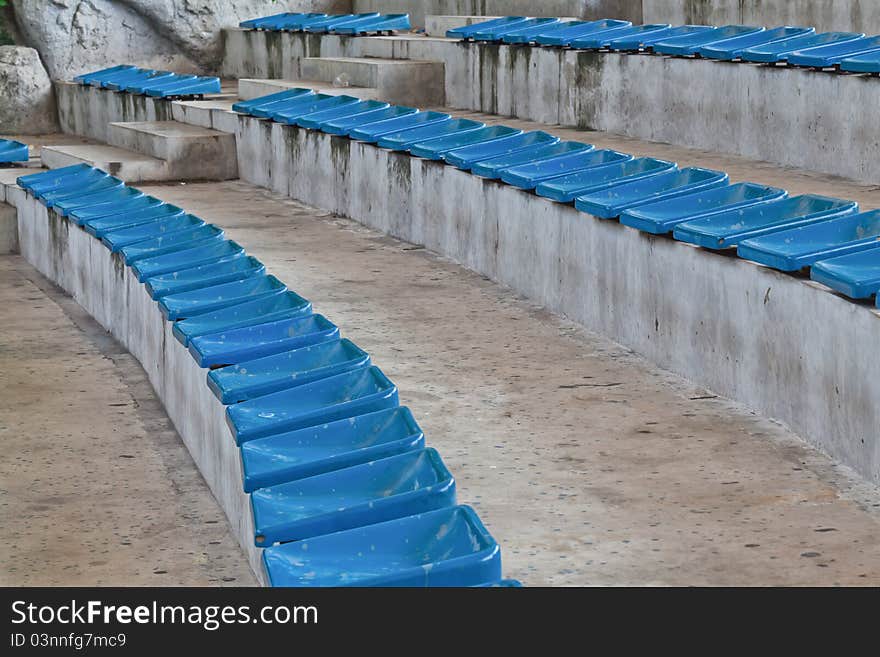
pixel 106 288
pixel 749 333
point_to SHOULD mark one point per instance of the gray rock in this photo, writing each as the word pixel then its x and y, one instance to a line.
pixel 28 102
pixel 77 36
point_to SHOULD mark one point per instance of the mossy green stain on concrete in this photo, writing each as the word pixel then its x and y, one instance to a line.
pixel 488 62
pixel 274 54
pixel 588 75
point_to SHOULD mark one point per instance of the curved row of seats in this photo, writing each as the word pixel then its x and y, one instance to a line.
pixel 150 82
pixel 343 489
pixel 696 205
pixel 317 23
pixel 797 46
pixel 13 151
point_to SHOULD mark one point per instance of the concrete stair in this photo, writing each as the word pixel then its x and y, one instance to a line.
pixel 128 166
pixel 402 81
pixel 252 88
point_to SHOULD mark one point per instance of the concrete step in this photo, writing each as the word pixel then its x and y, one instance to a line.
pixel 214 114
pixel 252 88
pixel 405 81
pixel 124 164
pixel 192 152
pixel 437 26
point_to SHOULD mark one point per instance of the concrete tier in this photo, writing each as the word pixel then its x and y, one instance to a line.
pixel 122 163
pixel 438 26
pixel 252 88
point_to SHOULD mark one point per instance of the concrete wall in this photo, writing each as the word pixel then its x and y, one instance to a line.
pixel 787 116
pixel 749 333
pixel 825 15
pixel 101 283
pixel 8 230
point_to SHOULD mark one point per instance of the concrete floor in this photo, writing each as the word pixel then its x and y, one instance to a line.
pixel 588 465
pixel 96 487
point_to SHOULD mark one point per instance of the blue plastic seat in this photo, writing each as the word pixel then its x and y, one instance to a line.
pixel 366 494
pixel 333 398
pixel 129 199
pixel 327 447
pixel 267 22
pixel 661 217
pixel 234 345
pixel 76 184
pixel 466 32
pixel 185 88
pixel 296 23
pixel 116 240
pixel 289 369
pixel 88 78
pixel 501 584
pixel 690 44
pixel 35 183
pixel 266 110
pixel 728 229
pixel 307 110
pixel 235 267
pixel 731 49
pixel 248 106
pixel 565 189
pixel 383 23
pixel 177 241
pixel 127 217
pixel 13 151
pixel 864 63
pixel 436 149
pixel 325 24
pixel 564 35
pixel 529 176
pixel 604 38
pixel 372 132
pixel 645 40
pixel 280 306
pixel 187 258
pixel 468 156
pixel 609 202
pixel 448 547
pixel 123 81
pixel 856 275
pixel 64 201
pixel 790 250
pixel 314 121
pixel 181 305
pixel 343 126
pixel 403 140
pixel 781 50
pixel 492 168
pixel 525 32
pixel 833 53
pixel 165 78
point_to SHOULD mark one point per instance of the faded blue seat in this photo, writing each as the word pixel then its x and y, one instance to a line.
pixel 563 35
pixel 234 267
pixel 13 151
pixel 731 49
pixel 184 259
pixel 177 241
pixel 327 447
pixel 306 110
pixel 781 50
pixel 314 121
pixel 117 239
pixel 343 126
pixel 266 110
pixel 728 229
pixel 565 189
pixel 790 250
pixel 468 156
pixel 64 200
pixel 528 176
pixel 129 200
pixel 326 24
pixel 527 32
pixel 383 23
pixel 436 149
pixel 493 167
pixel 260 103
pixel 603 38
pixel 192 303
pixel 856 275
pixel 280 306
pixel 296 23
pixel 141 76
pixel 95 76
pixel 645 40
pixel 690 44
pixel 467 32
pixel 833 53
pixel 352 393
pixel 864 63
pixel 34 183
pixel 661 217
pixel 64 183
pixel 609 202
pixel 289 369
pixel 126 217
pixel 386 489
pixel 497 33
pixel 198 86
pixel 260 339
pixel 448 547
pixel 159 80
pixel 403 140
pixel 372 132
pixel 268 22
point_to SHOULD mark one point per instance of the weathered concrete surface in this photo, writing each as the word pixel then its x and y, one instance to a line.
pixel 28 103
pixel 8 229
pixel 438 26
pixel 97 487
pixel 587 464
pixel 124 164
pixel 787 116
